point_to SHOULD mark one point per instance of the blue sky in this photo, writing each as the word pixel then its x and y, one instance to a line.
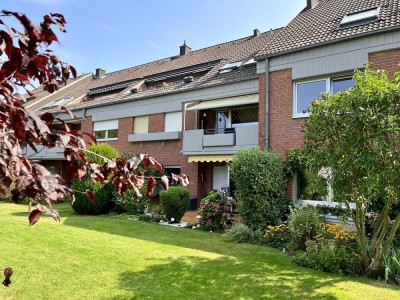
pixel 121 33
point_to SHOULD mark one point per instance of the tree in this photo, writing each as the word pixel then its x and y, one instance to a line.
pixel 356 133
pixel 25 57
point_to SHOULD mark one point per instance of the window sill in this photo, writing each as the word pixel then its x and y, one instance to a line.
pixel 106 140
pixel 155 136
pixel 300 117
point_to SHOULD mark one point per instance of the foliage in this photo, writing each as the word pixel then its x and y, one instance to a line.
pixel 335 231
pixel 215 212
pixel 130 203
pixel 260 181
pixel 338 211
pixel 144 218
pixel 103 193
pixel 97 152
pixel 304 224
pixel 175 202
pixel 326 255
pixel 312 186
pixel 278 236
pixel 356 133
pixel 391 265
pixel 296 160
pixel 240 233
pixel 156 209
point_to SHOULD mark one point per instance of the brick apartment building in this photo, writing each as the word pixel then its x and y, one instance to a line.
pixel 193 111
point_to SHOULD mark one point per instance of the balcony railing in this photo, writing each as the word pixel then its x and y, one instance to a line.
pixel 225 141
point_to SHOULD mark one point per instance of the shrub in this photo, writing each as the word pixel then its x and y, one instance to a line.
pixel 214 212
pixel 240 233
pixel 130 203
pixel 260 181
pixel 175 202
pixel 338 233
pixel 144 218
pixel 304 224
pixel 102 149
pixel 103 194
pixel 277 236
pixel 391 267
pixel 326 255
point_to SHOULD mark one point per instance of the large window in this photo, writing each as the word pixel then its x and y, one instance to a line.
pixel 106 130
pixel 141 124
pixel 236 117
pixel 173 121
pixel 307 91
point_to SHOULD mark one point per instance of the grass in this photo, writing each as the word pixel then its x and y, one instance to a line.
pixel 106 258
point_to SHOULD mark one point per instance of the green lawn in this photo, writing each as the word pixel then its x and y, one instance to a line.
pixel 105 258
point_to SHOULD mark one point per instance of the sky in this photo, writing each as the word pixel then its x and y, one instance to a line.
pixel 119 34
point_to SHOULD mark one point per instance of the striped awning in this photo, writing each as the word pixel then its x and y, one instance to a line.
pixel 225 102
pixel 210 158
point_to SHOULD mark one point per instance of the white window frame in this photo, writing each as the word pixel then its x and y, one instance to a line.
pixel 165 121
pixel 105 126
pixel 328 88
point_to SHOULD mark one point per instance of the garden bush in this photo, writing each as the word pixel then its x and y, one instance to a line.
pixel 175 202
pixel 215 212
pixel 391 267
pixel 130 203
pixel 101 149
pixel 278 236
pixel 328 256
pixel 103 194
pixel 260 181
pixel 240 233
pixel 304 224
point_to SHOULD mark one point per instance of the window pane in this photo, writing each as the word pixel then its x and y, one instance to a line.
pixel 342 84
pixel 307 92
pixel 244 116
pixel 173 121
pixel 100 134
pixel 113 134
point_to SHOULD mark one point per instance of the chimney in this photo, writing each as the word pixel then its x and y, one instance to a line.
pixel 184 49
pixel 99 73
pixel 256 32
pixel 312 3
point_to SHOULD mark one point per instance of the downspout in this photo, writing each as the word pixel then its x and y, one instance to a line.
pixel 266 104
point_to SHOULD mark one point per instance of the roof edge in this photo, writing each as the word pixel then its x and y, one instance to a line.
pixel 388 29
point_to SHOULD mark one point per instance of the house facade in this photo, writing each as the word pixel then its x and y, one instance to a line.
pixel 195 110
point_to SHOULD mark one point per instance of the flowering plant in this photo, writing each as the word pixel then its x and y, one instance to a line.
pixel 215 212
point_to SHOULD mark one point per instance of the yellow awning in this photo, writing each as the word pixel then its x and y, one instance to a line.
pixel 226 102
pixel 210 158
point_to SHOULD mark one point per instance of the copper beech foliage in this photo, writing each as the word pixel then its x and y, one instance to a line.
pixel 28 58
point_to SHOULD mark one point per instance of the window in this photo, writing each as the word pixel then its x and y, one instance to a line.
pixel 173 121
pixel 141 124
pixel 237 117
pixel 360 17
pixel 106 130
pixel 307 91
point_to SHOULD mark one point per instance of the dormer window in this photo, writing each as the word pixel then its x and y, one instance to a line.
pixel 360 17
pixel 231 66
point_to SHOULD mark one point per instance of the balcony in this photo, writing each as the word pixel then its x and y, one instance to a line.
pixel 229 141
pixel 43 153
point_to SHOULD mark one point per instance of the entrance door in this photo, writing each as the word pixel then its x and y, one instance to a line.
pixel 220 178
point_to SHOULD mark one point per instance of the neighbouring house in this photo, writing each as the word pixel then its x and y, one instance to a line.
pixel 191 112
pixel 318 52
pixel 195 110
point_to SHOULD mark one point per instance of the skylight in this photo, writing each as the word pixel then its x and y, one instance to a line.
pixel 231 66
pixel 359 17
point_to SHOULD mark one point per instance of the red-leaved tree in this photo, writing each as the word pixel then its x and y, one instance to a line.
pixel 25 57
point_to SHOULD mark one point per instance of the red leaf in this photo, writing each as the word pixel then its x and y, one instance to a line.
pixel 67 111
pixel 73 71
pixel 165 182
pixel 34 216
pixel 151 185
pixel 148 160
pixel 91 136
pixel 48 118
pixel 90 195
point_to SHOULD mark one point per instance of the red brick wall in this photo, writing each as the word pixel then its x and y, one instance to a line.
pixel 285 131
pixel 261 110
pixel 386 60
pixel 156 123
pixel 166 152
